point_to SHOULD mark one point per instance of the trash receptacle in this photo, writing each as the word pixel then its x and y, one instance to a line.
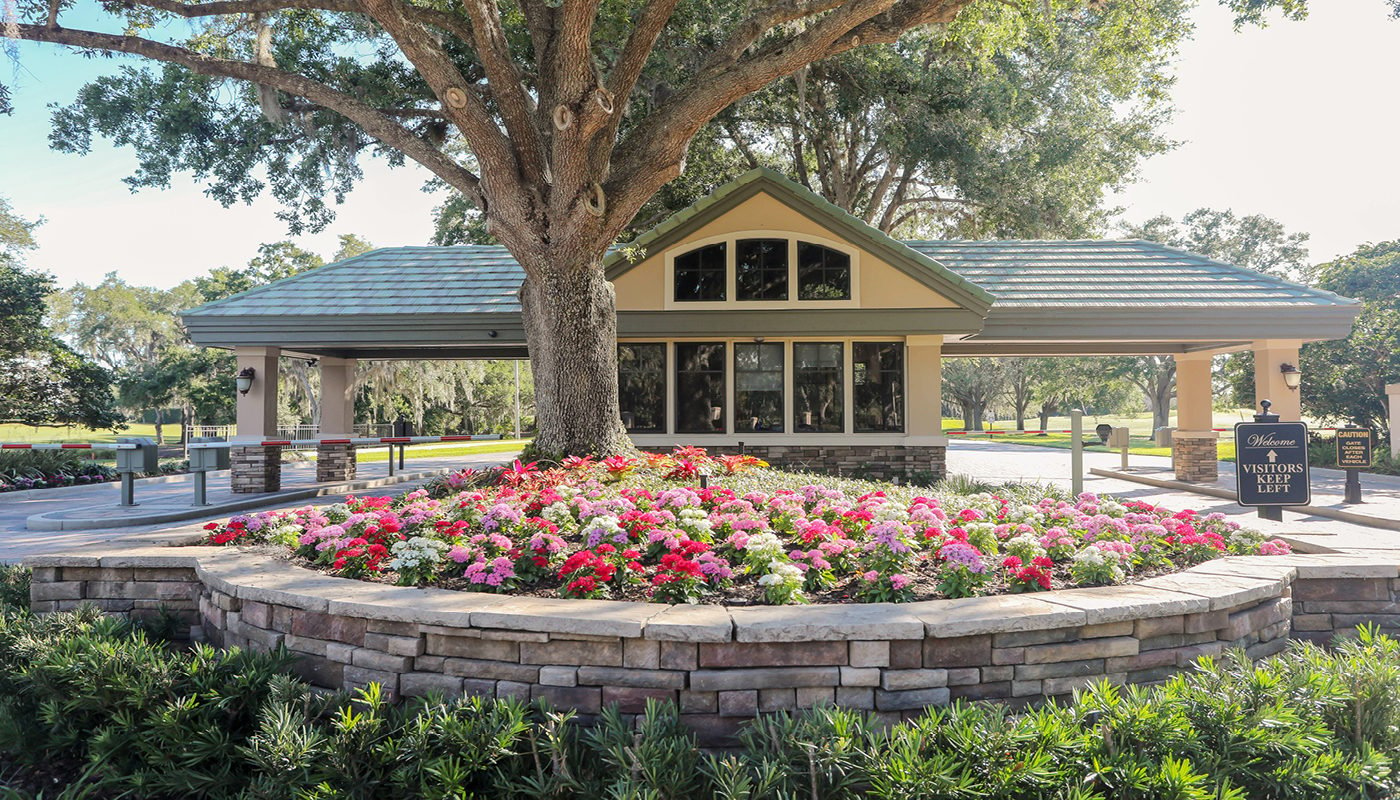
pixel 1163 438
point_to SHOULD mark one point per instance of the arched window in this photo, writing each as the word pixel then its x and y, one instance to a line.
pixel 701 273
pixel 822 273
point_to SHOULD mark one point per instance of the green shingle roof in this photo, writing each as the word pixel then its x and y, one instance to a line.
pixel 1047 274
pixel 468 279
pixel 474 279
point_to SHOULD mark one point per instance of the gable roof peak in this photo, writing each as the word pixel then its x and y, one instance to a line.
pixel 831 217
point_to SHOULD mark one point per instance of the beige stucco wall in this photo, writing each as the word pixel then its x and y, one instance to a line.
pixel 880 285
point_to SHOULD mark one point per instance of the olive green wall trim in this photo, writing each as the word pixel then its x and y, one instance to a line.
pixel 841 224
pixel 831 322
pixel 1138 324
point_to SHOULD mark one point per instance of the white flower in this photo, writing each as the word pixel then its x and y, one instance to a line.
pixel 415 553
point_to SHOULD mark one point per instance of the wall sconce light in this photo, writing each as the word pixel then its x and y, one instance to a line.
pixel 1292 376
pixel 244 379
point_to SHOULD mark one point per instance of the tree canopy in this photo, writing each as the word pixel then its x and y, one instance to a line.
pixel 1346 379
pixel 559 121
pixel 42 381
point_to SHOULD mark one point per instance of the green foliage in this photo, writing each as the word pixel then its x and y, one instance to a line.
pixel 42 381
pixel 1254 241
pixel 16 464
pixel 136 718
pixel 1346 378
pixel 14 588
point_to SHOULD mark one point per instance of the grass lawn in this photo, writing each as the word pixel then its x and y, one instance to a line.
pixel 382 453
pixel 28 433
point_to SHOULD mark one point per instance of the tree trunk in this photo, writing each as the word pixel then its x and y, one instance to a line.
pixel 1044 417
pixel 571 327
pixel 978 410
pixel 160 430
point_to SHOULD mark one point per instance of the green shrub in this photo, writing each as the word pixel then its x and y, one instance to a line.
pixel 119 713
pixel 14 588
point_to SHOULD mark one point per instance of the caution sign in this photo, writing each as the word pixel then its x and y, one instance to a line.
pixel 1354 448
pixel 1271 464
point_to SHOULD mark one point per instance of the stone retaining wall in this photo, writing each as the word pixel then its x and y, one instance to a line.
pixel 876 462
pixel 723 665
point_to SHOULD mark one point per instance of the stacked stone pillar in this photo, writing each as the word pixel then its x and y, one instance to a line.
pixel 255 469
pixel 335 463
pixel 1194 455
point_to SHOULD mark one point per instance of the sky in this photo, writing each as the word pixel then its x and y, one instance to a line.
pixel 1292 121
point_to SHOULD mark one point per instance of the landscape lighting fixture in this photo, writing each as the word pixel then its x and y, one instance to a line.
pixel 1292 376
pixel 244 379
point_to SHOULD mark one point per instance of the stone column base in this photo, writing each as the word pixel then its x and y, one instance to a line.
pixel 907 463
pixel 255 469
pixel 335 462
pixel 1194 458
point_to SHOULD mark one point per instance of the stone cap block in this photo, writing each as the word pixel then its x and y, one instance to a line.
pixel 971 616
pixel 697 623
pixel 1223 591
pixel 591 617
pixel 1117 603
pixel 825 623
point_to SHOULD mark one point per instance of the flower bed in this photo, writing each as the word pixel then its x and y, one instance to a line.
pixel 687 527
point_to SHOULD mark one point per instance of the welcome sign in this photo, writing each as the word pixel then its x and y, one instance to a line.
pixel 1271 464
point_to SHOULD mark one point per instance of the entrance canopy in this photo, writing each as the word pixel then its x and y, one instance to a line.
pixel 1097 297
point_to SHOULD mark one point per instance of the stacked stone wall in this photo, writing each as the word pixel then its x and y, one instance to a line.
pixel 255 470
pixel 877 462
pixel 724 665
pixel 1195 459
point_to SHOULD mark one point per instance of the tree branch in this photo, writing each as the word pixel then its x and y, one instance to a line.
pixel 492 149
pixel 516 107
pixel 373 122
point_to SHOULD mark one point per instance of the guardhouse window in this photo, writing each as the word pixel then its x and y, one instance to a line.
pixel 761 269
pixel 822 273
pixel 758 387
pixel 878 378
pixel 700 274
pixel 699 387
pixel 641 387
pixel 817 384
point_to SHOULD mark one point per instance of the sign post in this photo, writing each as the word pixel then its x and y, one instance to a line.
pixel 1271 464
pixel 1354 454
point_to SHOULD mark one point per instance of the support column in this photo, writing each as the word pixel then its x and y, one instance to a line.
pixel 1194 453
pixel 1269 356
pixel 1392 391
pixel 923 380
pixel 336 462
pixel 257 469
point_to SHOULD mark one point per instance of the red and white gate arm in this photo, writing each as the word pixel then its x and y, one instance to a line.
pixel 477 437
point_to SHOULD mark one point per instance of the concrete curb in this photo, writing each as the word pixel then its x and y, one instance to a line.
pixel 57 521
pixel 1226 494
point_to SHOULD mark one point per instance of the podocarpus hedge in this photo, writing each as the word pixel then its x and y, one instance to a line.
pixel 110 708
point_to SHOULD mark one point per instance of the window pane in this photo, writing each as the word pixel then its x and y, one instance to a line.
pixel 822 273
pixel 761 269
pixel 816 384
pixel 699 387
pixel 879 386
pixel 700 273
pixel 641 387
pixel 758 387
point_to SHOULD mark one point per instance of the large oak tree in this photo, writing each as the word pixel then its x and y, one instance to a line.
pixel 559 120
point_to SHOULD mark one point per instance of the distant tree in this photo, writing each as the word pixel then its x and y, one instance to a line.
pixel 1254 242
pixel 1346 378
pixel 971 385
pixel 273 262
pixel 42 381
pixel 351 246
